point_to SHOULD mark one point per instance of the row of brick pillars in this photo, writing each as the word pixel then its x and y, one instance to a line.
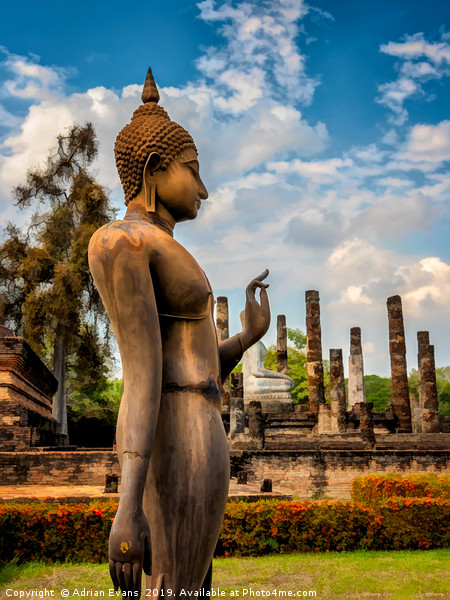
pixel 356 393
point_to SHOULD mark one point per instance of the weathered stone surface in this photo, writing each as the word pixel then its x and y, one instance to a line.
pixel 326 465
pixel 282 362
pixel 313 466
pixel 266 486
pixel 111 484
pixel 223 332
pixel 364 410
pixel 324 419
pixel 255 422
pixel 26 389
pixel 356 390
pixel 428 399
pixel 314 364
pixel 242 478
pixel 65 468
pixel 237 413
pixel 337 392
pixel 399 373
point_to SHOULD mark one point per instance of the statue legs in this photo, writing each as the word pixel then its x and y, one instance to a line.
pixel 186 491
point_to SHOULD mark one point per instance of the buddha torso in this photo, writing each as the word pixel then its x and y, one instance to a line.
pixel 184 303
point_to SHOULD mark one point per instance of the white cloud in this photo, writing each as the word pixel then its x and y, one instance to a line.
pixel 420 62
pixel 415 46
pixel 30 80
pixel 427 145
pixel 316 222
pixel 259 36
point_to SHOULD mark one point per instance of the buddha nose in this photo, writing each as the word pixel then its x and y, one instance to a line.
pixel 202 191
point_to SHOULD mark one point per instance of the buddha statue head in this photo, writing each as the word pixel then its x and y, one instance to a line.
pixel 151 132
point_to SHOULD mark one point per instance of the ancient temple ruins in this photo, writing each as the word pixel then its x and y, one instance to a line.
pixel 315 448
pixel 26 390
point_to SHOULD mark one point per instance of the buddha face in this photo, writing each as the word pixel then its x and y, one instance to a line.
pixel 179 188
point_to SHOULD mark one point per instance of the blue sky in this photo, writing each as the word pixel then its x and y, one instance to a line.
pixel 323 132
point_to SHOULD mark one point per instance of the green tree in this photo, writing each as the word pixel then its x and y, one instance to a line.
pixel 296 364
pixel 378 391
pixel 47 291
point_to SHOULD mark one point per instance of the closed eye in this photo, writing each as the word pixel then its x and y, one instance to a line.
pixel 193 166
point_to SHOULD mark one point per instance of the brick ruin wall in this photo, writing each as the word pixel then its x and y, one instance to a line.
pixel 322 466
pixel 57 468
pixel 325 466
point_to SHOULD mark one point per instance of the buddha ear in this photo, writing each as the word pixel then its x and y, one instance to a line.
pixel 152 164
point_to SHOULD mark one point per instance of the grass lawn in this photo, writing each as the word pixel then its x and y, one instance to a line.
pixel 341 576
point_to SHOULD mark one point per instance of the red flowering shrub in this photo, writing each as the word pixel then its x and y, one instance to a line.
pixel 372 490
pixel 267 526
pixel 79 533
pixel 56 532
pixel 415 523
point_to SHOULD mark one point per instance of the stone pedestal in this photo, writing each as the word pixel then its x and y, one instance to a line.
pixel 337 392
pixel 268 387
pixel 314 364
pixel 356 391
pixel 399 373
pixel 26 390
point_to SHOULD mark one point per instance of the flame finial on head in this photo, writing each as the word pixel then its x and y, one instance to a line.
pixel 150 130
pixel 150 92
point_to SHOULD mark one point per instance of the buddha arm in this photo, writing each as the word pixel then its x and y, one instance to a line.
pixel 120 268
pixel 257 320
pixel 230 353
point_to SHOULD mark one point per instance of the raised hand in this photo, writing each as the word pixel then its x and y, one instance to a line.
pixel 257 315
pixel 129 551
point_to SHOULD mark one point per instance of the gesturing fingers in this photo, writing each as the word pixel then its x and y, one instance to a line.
pixel 263 275
pixel 251 288
pixel 137 577
pixel 113 574
pixel 128 575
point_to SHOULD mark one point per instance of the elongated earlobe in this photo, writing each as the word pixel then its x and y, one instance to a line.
pixel 152 164
pixel 150 198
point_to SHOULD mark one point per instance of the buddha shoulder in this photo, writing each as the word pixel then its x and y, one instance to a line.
pixel 127 236
pixel 181 288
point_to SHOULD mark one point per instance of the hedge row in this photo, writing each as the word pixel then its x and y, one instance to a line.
pixel 79 533
pixel 371 490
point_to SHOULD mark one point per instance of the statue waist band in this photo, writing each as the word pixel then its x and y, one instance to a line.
pixel 208 389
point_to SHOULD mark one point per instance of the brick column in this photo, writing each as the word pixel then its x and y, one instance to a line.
pixel 255 422
pixel 399 373
pixel 282 363
pixel 356 391
pixel 223 333
pixel 237 414
pixel 314 363
pixel 428 400
pixel 365 412
pixel 337 392
pixel 222 318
